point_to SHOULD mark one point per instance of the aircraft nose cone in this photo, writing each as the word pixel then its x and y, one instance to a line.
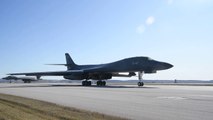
pixel 167 65
pixel 163 66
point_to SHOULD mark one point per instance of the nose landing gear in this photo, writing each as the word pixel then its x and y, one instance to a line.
pixel 140 83
pixel 140 75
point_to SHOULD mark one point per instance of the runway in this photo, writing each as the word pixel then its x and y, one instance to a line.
pixel 152 102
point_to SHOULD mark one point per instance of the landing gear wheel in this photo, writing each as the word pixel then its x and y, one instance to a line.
pixel 86 83
pixel 104 83
pixel 101 83
pixel 140 75
pixel 89 83
pixel 83 83
pixel 98 83
pixel 140 83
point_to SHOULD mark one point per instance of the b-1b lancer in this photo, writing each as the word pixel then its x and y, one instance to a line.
pixel 103 72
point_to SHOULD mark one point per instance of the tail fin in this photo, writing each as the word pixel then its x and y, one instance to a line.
pixel 70 63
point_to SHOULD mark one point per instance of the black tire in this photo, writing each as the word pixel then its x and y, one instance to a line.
pixel 83 83
pixel 140 83
pixel 89 83
pixel 104 83
pixel 98 83
pixel 101 83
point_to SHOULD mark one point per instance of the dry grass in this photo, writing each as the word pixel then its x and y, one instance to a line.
pixel 19 108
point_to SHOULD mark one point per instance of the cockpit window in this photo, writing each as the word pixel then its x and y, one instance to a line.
pixel 150 58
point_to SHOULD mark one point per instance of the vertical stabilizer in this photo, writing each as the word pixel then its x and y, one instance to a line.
pixel 70 64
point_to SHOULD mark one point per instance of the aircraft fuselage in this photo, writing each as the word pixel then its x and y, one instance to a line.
pixel 105 71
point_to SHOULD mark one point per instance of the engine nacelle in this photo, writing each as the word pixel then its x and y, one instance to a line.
pixel 150 71
pixel 101 76
pixel 96 76
pixel 75 77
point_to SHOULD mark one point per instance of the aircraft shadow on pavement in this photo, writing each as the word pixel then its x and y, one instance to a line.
pixel 120 86
pixel 64 85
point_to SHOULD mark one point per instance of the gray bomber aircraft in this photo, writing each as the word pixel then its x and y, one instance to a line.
pixel 102 72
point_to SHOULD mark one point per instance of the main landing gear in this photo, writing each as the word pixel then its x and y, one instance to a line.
pixel 140 74
pixel 86 83
pixel 101 83
pixel 89 83
pixel 27 81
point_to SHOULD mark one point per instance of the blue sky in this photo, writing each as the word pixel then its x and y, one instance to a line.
pixel 37 32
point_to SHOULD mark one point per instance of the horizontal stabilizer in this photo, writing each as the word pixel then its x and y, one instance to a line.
pixel 58 64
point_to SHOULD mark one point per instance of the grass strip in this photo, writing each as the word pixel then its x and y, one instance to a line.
pixel 20 108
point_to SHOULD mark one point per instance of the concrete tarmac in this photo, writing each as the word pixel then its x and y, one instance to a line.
pixel 151 102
